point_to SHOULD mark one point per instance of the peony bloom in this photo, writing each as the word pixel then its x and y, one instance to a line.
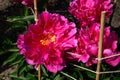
pixel 20 43
pixel 87 50
pixel 110 46
pixel 46 41
pixel 89 11
pixel 28 3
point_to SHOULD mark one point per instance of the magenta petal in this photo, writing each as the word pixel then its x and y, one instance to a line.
pixel 88 40
pixel 89 11
pixel 54 68
pixel 113 62
pixel 20 44
pixel 84 58
pixel 30 62
pixel 93 50
pixel 107 52
pixel 114 45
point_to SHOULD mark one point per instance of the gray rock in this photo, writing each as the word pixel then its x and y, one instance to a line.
pixel 4 4
pixel 116 16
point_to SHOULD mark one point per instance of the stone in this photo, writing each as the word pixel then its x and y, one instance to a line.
pixel 115 22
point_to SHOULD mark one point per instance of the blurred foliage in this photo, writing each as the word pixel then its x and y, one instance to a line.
pixel 18 25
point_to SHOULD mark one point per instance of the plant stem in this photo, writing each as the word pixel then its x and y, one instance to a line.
pixel 39 73
pixel 35 10
pixel 67 75
pixel 83 68
pixel 36 19
pixel 100 44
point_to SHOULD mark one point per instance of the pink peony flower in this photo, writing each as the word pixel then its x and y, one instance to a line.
pixel 88 40
pixel 20 43
pixel 46 41
pixel 89 11
pixel 28 3
pixel 110 46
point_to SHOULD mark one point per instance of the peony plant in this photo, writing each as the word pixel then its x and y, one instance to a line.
pixel 89 11
pixel 87 48
pixel 46 40
pixel 54 42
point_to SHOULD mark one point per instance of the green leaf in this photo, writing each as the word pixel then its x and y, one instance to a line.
pixel 17 60
pixel 18 78
pixel 107 78
pixel 10 58
pixel 14 76
pixel 21 67
pixel 116 78
pixel 19 18
pixel 29 67
pixel 58 77
pixel 7 41
pixel 44 70
pixel 80 75
pixel 74 75
pixel 17 24
pixel 30 77
pixel 13 50
pixel 91 75
pixel 48 79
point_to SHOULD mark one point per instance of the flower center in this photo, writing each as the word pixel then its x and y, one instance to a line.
pixel 47 39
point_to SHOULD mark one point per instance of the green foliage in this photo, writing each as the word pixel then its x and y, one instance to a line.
pixel 18 25
pixel 19 18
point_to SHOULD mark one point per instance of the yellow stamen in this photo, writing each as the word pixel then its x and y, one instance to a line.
pixel 48 39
